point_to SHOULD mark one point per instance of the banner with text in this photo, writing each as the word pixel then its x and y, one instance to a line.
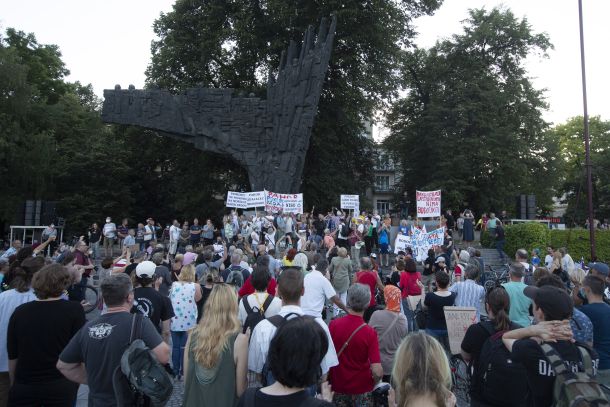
pixel 287 203
pixel 428 204
pixel 420 242
pixel 245 200
pixel 351 202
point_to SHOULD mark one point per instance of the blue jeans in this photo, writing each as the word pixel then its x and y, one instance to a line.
pixel 178 343
pixel 442 336
pixel 500 248
pixel 411 325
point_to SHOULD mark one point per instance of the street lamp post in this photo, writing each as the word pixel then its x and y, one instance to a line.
pixel 586 135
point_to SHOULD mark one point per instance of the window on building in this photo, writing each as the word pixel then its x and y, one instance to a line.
pixel 382 182
pixel 383 207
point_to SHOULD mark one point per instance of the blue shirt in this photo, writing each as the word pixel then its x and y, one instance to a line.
pixel 519 303
pixel 582 328
pixel 599 314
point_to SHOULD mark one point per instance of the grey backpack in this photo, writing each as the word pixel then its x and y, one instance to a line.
pixel 140 376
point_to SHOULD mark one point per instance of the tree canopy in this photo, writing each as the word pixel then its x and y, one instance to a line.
pixel 471 122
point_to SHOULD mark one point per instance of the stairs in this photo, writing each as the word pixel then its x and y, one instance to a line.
pixel 492 258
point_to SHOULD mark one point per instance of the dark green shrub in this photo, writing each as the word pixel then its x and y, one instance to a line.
pixel 578 244
pixel 526 236
pixel 486 240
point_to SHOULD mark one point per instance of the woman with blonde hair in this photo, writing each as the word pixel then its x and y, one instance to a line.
pixel 421 374
pixel 184 295
pixel 216 363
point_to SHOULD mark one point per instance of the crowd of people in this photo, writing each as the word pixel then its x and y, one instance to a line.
pixel 278 310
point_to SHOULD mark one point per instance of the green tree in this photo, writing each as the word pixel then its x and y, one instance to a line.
pixel 471 124
pixel 573 182
pixel 234 44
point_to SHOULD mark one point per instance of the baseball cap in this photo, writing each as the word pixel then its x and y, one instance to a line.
pixel 146 269
pixel 554 302
pixel 441 259
pixel 373 255
pixel 601 268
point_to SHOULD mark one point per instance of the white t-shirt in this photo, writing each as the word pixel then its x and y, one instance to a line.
pixel 548 260
pixel 9 300
pixel 109 230
pixel 317 290
pixel 149 236
pixel 256 300
pixel 174 233
pixel 255 238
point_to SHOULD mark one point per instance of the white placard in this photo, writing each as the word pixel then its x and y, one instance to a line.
pixel 351 202
pixel 287 203
pixel 428 204
pixel 458 320
pixel 244 200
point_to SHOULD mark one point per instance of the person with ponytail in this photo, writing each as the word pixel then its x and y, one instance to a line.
pixel 497 304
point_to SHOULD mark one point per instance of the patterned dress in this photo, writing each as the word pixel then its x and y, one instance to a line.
pixel 182 296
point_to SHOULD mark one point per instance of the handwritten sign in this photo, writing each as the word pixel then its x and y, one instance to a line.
pixel 287 203
pixel 245 200
pixel 401 243
pixel 420 242
pixel 351 202
pixel 428 204
pixel 458 320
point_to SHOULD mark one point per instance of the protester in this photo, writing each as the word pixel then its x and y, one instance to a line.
pixel 468 227
pixel 391 326
pixel 359 359
pixel 482 392
pixel 95 351
pixel 217 359
pixel 260 301
pixel 519 302
pixel 232 274
pixel 421 374
pixel 567 263
pixel 558 269
pixel 150 302
pixel 599 314
pixel 290 290
pixel 109 233
pixel 370 278
pixel 298 342
pixel 340 270
pixel 469 293
pixel 434 302
pixel 15 247
pixel 409 287
pixel 94 237
pixel 552 309
pixel 37 333
pixel 20 293
pixel 184 294
pixel 318 289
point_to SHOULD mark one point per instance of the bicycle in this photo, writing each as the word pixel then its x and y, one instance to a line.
pixel 91 298
pixel 496 276
pixel 461 372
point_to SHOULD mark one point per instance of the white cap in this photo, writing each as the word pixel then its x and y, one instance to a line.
pixel 146 269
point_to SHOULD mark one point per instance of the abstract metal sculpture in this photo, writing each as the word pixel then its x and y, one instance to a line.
pixel 268 137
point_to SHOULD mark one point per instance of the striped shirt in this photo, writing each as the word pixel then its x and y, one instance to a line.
pixel 469 294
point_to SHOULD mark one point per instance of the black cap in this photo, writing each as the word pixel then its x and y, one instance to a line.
pixel 554 302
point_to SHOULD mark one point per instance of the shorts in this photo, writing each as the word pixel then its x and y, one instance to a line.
pixel 108 242
pixel 173 247
pixel 384 248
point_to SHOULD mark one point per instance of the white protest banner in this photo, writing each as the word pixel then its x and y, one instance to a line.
pixel 287 203
pixel 401 243
pixel 435 237
pixel 244 200
pixel 428 204
pixel 458 320
pixel 351 202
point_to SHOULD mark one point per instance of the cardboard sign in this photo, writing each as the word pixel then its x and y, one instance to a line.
pixel 351 202
pixel 428 204
pixel 287 203
pixel 458 320
pixel 244 200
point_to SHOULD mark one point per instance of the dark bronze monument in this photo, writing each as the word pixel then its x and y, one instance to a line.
pixel 269 137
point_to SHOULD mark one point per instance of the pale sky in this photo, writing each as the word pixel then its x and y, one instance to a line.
pixel 108 42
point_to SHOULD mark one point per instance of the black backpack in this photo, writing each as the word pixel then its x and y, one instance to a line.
pixel 500 381
pixel 345 230
pixel 255 315
pixel 140 379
